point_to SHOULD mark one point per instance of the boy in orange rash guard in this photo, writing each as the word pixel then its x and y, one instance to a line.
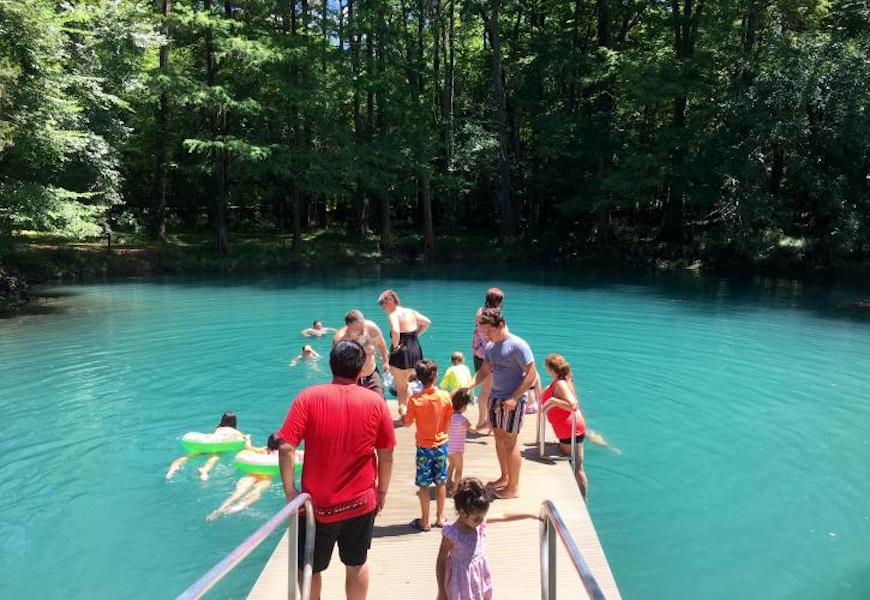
pixel 432 410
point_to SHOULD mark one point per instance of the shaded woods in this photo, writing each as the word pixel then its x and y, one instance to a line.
pixel 734 130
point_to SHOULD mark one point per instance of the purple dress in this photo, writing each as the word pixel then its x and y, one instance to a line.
pixel 468 576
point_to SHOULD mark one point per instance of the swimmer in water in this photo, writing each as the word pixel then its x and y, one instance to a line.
pixel 227 429
pixel 317 329
pixel 308 353
pixel 249 488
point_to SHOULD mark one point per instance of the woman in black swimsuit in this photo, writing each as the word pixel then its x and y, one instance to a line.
pixel 406 325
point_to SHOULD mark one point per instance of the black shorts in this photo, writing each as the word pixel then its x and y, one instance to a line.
pixel 354 537
pixel 373 382
pixel 567 440
pixel 478 362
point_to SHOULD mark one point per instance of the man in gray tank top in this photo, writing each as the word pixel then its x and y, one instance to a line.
pixel 511 365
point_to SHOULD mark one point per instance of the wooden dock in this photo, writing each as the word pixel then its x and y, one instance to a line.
pixel 402 560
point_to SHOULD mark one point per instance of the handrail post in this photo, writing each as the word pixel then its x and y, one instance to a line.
pixel 551 558
pixel 292 554
pixel 574 441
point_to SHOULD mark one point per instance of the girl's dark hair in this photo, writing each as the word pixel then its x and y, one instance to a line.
pixel 494 298
pixel 274 442
pixel 460 399
pixel 228 419
pixel 470 496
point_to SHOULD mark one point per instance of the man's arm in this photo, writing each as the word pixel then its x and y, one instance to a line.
pixel 526 383
pixel 481 375
pixel 377 335
pixel 287 467
pixel 385 471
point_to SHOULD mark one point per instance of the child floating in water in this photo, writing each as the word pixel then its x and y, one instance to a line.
pixel 308 353
pixel 226 431
pixel 457 374
pixel 249 488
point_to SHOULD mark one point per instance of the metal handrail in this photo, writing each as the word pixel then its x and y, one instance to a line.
pixel 290 512
pixel 552 521
pixel 542 434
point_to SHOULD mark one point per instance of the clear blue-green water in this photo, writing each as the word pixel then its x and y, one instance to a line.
pixel 741 409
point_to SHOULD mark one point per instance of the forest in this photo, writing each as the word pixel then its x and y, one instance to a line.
pixel 710 130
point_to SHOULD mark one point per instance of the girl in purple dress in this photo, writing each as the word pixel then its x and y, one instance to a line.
pixel 462 569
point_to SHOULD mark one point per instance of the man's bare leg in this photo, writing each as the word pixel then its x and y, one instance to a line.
pixel 500 452
pixel 356 582
pixel 514 463
pixel 316 584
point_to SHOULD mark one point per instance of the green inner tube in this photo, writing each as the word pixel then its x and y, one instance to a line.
pixel 204 446
pixel 271 470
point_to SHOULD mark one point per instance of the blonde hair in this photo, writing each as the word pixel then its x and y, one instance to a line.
pixel 560 366
pixel 457 358
pixel 388 295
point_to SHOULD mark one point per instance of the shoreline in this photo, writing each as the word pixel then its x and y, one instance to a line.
pixel 37 262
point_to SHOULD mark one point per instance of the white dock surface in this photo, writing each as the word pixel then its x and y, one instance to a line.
pixel 402 560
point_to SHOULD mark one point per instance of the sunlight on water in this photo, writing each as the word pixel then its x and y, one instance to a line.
pixel 740 409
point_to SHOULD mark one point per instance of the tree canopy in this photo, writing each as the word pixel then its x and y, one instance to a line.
pixel 718 129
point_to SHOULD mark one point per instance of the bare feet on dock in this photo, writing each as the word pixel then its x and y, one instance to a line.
pixel 506 493
pixel 498 483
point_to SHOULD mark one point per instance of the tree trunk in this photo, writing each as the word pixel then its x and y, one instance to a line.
pixel 383 197
pixel 161 180
pixel 426 201
pixel 505 202
pixel 218 175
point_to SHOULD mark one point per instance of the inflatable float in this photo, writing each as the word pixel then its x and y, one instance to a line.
pixel 210 443
pixel 255 463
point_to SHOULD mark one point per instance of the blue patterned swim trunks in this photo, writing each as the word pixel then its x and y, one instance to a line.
pixel 431 466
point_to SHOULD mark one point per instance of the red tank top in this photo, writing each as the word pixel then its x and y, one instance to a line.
pixel 560 418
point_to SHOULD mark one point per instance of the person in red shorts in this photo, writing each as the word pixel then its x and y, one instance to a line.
pixel 349 442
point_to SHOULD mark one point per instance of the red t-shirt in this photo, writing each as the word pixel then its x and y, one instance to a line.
pixel 342 425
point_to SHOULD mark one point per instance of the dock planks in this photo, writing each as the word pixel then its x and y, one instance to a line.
pixel 402 561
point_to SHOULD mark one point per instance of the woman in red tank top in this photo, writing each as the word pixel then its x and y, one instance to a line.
pixel 563 398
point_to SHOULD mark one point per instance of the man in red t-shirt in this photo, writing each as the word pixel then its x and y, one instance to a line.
pixel 349 442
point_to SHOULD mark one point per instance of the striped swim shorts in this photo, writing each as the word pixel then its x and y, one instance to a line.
pixel 510 421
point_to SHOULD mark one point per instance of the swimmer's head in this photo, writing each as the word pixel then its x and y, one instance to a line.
pixel 427 371
pixel 457 358
pixel 274 442
pixel 317 325
pixel 306 349
pixel 228 419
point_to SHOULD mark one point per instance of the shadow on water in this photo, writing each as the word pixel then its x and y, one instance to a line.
pixel 42 302
pixel 696 292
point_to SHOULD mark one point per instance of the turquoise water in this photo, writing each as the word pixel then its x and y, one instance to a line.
pixel 741 410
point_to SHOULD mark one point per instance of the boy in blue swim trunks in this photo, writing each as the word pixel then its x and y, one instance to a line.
pixel 432 410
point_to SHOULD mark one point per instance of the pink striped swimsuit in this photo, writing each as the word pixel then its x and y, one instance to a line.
pixel 456 434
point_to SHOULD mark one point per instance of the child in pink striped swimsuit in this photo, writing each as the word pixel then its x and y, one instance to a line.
pixel 459 426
